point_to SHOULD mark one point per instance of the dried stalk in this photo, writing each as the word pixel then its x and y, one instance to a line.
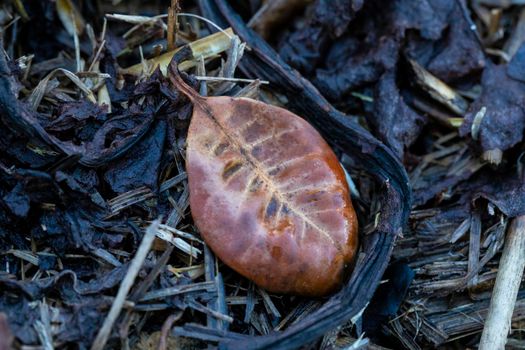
pixel 505 291
pixel 125 286
pixel 207 47
pixel 173 24
pixel 440 91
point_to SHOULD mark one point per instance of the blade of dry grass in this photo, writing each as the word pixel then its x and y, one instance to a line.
pixel 125 286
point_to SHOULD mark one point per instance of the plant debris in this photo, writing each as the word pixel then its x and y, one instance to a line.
pixel 268 194
pixel 421 101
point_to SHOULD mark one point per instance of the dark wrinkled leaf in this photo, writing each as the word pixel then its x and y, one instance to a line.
pixel 75 115
pixel 108 65
pixel 19 116
pixel 104 281
pixel 504 121
pixel 442 41
pixel 82 180
pixel 140 166
pixel 46 261
pixel 24 151
pixel 81 317
pixel 17 201
pixel 117 135
pixel 10 235
pixel 388 297
pixel 351 64
pixel 109 142
pixel 304 48
pixel 403 15
pixel 394 121
pixel 457 53
pixel 371 44
pixel 505 191
pixel 516 66
pixel 509 198
pixel 20 314
pixel 83 320
pixel 55 230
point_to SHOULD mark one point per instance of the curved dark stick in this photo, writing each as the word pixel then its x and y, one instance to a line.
pixel 264 63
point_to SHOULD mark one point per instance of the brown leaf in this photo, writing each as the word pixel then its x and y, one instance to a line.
pixel 268 195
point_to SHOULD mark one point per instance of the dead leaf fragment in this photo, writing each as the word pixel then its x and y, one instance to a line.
pixel 268 194
pixel 504 120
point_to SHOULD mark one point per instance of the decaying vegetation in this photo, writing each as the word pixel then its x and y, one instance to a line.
pixel 422 101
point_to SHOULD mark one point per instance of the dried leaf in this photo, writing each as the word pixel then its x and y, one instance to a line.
pixel 457 53
pixel 268 194
pixel 506 190
pixel 504 120
pixel 395 122
pixel 516 67
pixel 17 201
pixel 363 64
pixel 141 165
pixel 303 49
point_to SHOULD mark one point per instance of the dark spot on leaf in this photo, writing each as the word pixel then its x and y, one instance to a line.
pixel 274 171
pixel 220 149
pixel 271 209
pixel 231 168
pixel 255 184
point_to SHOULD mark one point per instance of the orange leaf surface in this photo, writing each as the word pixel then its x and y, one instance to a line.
pixel 268 195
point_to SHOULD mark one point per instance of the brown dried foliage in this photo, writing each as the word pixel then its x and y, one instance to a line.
pixel 268 195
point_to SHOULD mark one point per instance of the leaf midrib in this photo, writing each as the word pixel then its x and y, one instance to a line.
pixel 201 103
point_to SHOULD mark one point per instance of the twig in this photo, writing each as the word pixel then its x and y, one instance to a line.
pixel 142 288
pixel 173 24
pixel 43 327
pixel 438 90
pixel 77 50
pixel 239 80
pixel 125 286
pixel 97 56
pixel 176 290
pixel 166 327
pixel 506 288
